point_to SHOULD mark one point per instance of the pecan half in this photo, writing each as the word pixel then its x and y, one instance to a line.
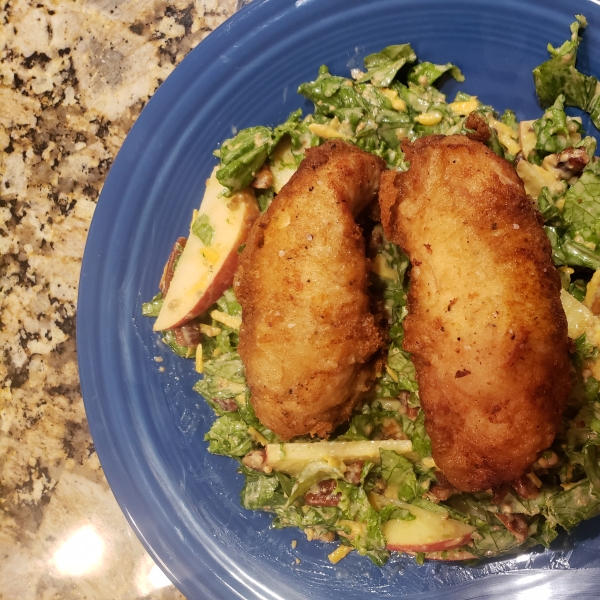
pixel 323 494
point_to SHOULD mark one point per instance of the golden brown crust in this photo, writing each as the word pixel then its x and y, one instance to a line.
pixel 308 337
pixel 486 326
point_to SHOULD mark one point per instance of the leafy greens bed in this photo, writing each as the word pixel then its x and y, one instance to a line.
pixel 357 501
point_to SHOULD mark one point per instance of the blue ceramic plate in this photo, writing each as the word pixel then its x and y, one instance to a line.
pixel 148 425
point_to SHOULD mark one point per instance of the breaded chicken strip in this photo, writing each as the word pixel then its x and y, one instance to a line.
pixel 485 327
pixel 307 333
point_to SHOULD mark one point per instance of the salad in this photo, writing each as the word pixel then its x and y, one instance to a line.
pixel 373 486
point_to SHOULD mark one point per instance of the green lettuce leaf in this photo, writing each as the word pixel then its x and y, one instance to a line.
pixel 394 512
pixel 292 515
pixel 229 436
pixel 399 472
pixel 574 232
pixel 152 308
pixel 243 155
pixel 510 118
pixel 383 66
pixel 419 438
pixel 168 337
pixel 565 251
pixel 550 212
pixel 494 540
pixel 543 532
pixel 264 199
pixel 202 228
pixel 223 378
pixel 551 129
pixel 426 73
pixel 582 203
pixel 590 464
pixel 368 424
pixel 558 75
pixel 227 366
pixel 577 504
pixel 260 491
pixel 228 304
pixel 584 350
pixel 584 428
pixel 355 506
pixel 399 361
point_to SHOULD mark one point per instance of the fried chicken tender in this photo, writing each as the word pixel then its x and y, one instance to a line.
pixel 486 328
pixel 308 337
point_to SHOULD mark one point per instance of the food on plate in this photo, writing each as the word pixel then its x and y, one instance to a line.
pixel 293 458
pixel 427 532
pixel 206 266
pixel 365 487
pixel 308 336
pixel 485 325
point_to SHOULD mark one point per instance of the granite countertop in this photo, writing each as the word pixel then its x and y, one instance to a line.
pixel 74 76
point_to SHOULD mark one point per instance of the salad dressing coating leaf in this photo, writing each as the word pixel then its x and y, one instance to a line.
pixel 426 73
pixel 229 436
pixel 558 75
pixel 551 130
pixel 383 66
pixel 574 505
pixel 259 491
pixel 574 231
pixel 243 155
pixel 399 473
pixel 582 205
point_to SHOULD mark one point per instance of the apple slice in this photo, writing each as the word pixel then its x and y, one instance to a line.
pixel 292 458
pixel 428 532
pixel 205 270
pixel 283 163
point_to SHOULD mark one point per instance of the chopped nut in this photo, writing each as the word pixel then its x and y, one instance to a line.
pixel 263 178
pixel 525 487
pixel 568 163
pixel 516 524
pixel 392 430
pixel 443 492
pixel 257 460
pixel 323 494
pixel 353 472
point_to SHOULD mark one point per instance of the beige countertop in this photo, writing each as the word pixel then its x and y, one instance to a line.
pixel 74 76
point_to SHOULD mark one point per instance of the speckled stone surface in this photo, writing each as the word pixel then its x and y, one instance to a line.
pixel 74 76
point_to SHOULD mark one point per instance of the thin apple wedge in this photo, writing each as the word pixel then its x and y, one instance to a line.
pixel 427 532
pixel 208 262
pixel 283 163
pixel 292 458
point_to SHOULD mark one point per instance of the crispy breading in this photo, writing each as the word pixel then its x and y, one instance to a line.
pixel 308 336
pixel 486 328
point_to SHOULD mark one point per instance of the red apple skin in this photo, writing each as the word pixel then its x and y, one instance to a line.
pixel 223 279
pixel 438 546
